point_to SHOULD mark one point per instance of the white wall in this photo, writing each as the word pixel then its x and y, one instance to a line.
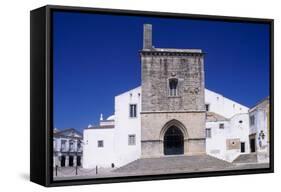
pixel 216 145
pixel 98 156
pixel 234 112
pixel 222 105
pixel 240 130
pixel 125 125
pixel 116 147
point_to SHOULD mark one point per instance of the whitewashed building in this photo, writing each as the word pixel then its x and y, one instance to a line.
pixel 259 136
pixel 116 141
pixel 67 148
pixel 227 127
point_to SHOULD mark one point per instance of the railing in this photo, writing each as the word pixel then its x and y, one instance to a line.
pixel 63 150
pixel 73 150
pixel 73 171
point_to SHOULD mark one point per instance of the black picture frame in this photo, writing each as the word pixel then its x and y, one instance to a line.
pixel 41 117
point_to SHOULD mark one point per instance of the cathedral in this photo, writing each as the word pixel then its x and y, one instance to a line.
pixel 171 113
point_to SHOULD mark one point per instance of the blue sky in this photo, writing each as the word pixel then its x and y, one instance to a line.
pixel 96 58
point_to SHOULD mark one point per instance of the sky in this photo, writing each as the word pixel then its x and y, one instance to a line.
pixel 96 57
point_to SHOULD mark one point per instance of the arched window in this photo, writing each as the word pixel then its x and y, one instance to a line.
pixel 173 86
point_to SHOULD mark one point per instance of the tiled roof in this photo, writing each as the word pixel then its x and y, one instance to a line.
pixel 64 131
pixel 213 117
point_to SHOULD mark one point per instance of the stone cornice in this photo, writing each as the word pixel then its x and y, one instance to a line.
pixel 175 52
pixel 191 111
pixel 162 140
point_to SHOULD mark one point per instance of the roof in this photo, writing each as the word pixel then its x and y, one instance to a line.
pixel 131 90
pixel 101 127
pixel 111 118
pixel 55 130
pixel 261 104
pixel 214 117
pixel 208 91
pixel 69 132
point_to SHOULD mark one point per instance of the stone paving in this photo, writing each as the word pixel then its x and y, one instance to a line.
pixel 173 164
pixel 155 166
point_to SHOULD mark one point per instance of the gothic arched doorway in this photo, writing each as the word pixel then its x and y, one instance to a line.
pixel 173 141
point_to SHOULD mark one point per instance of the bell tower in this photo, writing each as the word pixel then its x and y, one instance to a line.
pixel 173 90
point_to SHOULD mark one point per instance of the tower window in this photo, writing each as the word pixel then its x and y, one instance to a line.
pixel 173 85
pixel 221 125
pixel 133 110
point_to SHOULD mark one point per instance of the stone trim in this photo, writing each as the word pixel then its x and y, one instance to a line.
pixel 150 112
pixel 196 139
pixel 67 137
pixel 152 140
pixel 171 123
pixel 169 53
pixel 161 140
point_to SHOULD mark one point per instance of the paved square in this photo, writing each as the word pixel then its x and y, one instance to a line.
pixel 155 166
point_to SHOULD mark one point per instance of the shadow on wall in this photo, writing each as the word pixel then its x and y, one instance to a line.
pixel 24 176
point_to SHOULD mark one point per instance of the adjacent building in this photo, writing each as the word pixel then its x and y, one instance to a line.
pixel 259 136
pixel 67 148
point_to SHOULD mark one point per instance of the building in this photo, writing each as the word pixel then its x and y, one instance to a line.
pixel 259 136
pixel 116 141
pixel 67 148
pixel 171 113
pixel 227 127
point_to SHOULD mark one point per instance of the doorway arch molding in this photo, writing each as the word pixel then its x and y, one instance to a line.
pixel 175 123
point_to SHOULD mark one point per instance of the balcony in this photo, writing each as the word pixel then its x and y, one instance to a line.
pixel 63 149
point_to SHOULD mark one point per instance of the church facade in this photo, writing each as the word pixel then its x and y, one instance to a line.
pixel 171 113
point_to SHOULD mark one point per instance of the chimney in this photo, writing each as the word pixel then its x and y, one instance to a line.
pixel 101 117
pixel 147 36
